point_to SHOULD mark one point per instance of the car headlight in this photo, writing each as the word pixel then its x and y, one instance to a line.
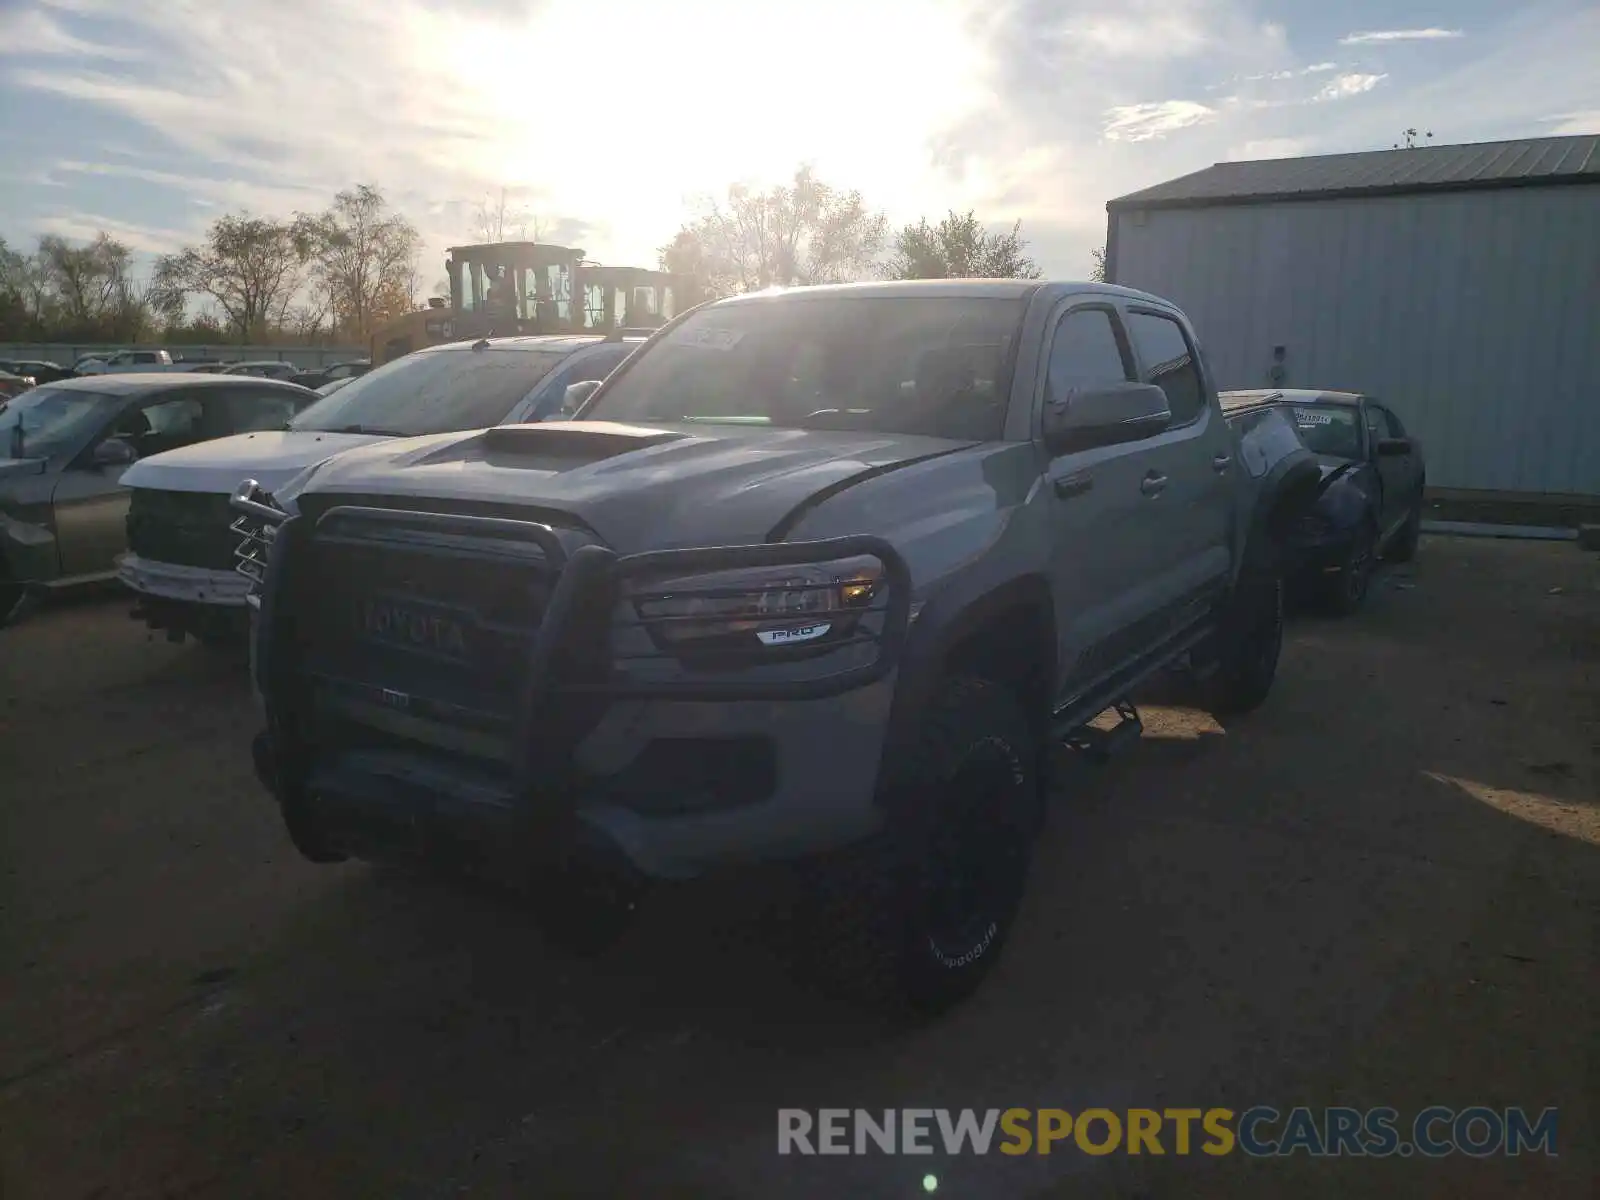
pixel 746 610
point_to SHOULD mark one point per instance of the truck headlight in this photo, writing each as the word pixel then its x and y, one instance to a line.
pixel 748 609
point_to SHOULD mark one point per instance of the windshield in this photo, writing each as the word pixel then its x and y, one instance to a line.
pixel 938 366
pixel 48 421
pixel 1333 429
pixel 432 393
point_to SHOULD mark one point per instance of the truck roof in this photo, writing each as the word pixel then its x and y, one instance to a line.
pixel 150 381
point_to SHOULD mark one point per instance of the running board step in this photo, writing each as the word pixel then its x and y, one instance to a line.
pixel 1100 745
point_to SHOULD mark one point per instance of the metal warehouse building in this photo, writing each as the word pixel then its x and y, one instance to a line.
pixel 1459 283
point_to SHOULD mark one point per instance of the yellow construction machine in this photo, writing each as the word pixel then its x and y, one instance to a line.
pixel 501 289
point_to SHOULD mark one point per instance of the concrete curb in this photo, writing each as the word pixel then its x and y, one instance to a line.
pixel 1542 533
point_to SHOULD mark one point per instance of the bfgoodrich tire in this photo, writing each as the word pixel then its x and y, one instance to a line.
pixel 912 921
pixel 1249 643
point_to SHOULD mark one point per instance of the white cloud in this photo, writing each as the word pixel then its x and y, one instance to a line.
pixel 203 191
pixel 31 33
pixel 1574 123
pixel 1141 122
pixel 1350 85
pixel 1398 35
pixel 440 104
pixel 1031 109
pixel 1283 147
pixel 82 227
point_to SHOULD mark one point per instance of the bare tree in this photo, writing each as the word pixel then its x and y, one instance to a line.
pixel 959 247
pixel 86 280
pixel 802 232
pixel 251 266
pixel 365 258
pixel 499 220
pixel 1097 273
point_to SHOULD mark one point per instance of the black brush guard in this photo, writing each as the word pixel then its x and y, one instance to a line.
pixel 588 580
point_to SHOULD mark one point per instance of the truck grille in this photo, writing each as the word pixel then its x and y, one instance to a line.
pixel 423 631
pixel 187 529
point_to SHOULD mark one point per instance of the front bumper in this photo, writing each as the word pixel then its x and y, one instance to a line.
pixel 676 772
pixel 192 585
pixel 1314 558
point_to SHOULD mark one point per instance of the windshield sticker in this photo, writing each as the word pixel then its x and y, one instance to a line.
pixel 708 339
pixel 1306 416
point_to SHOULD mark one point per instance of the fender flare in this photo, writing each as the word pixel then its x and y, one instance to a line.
pixel 1285 493
pixel 943 623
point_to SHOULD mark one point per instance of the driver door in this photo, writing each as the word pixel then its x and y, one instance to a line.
pixel 91 507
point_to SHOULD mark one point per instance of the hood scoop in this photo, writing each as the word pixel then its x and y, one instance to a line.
pixel 573 443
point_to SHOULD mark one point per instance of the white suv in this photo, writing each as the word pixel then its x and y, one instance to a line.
pixel 125 362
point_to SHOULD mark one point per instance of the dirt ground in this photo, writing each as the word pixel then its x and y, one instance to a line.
pixel 1381 889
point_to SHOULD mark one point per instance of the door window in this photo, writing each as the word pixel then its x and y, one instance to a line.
pixel 1378 423
pixel 1085 352
pixel 1169 362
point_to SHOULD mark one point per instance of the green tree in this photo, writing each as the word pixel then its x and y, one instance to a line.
pixel 796 233
pixel 251 267
pixel 959 247
pixel 1097 273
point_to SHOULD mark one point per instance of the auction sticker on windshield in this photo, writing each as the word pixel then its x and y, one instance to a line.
pixel 708 339
pixel 1310 416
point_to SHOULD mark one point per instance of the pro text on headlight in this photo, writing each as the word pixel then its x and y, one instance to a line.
pixel 789 606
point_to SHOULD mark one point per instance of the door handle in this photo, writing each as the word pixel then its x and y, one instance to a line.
pixel 1221 463
pixel 1153 484
pixel 1073 485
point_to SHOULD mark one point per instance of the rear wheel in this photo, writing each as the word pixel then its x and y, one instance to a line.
pixel 12 598
pixel 1404 547
pixel 914 919
pixel 1249 642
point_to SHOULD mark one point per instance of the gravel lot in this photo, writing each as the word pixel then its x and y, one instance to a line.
pixel 1383 888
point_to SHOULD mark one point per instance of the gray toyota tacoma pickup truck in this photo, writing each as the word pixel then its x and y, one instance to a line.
pixel 816 575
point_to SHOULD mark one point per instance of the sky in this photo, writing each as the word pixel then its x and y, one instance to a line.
pixel 151 118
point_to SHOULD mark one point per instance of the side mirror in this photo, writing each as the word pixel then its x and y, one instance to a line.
pixel 113 452
pixel 577 395
pixel 1394 447
pixel 1105 416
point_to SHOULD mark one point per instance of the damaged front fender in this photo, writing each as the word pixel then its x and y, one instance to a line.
pixel 28 550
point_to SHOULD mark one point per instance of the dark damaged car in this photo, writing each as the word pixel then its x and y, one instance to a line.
pixel 1369 507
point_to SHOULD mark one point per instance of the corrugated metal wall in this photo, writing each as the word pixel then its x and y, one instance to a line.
pixel 1476 314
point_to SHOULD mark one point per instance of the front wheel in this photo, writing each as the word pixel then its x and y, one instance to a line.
pixel 914 920
pixel 1347 591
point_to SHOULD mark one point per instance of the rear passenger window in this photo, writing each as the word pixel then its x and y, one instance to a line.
pixel 1169 363
pixel 1085 353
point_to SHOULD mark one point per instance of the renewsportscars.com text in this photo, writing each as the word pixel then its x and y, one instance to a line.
pixel 1261 1131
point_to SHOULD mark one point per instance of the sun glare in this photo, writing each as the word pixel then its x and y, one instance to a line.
pixel 671 101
